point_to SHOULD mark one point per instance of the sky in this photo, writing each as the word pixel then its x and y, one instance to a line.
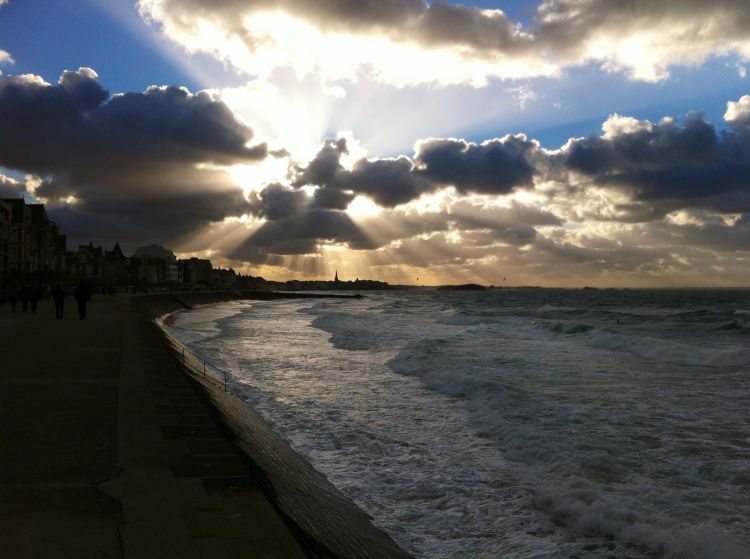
pixel 556 143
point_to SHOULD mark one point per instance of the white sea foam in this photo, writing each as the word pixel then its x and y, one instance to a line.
pixel 202 322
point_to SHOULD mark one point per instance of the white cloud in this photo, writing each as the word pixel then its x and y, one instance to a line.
pixel 738 112
pixel 524 94
pixel 271 40
pixel 408 42
pixel 5 57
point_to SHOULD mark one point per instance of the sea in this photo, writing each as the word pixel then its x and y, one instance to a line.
pixel 518 423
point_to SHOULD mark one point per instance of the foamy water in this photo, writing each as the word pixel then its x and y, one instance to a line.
pixel 511 423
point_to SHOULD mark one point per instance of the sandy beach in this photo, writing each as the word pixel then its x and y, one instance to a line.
pixel 108 451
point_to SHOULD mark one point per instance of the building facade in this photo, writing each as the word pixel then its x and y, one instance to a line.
pixel 33 248
pixel 4 237
pixel 196 273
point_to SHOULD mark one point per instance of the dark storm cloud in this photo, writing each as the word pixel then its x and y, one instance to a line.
pixel 387 181
pixel 325 168
pixel 83 89
pixel 300 234
pixel 130 159
pixel 48 128
pixel 666 165
pixel 493 167
pixel 277 202
pixel 295 223
pixel 128 220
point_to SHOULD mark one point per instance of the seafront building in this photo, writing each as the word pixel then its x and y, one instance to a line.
pixel 4 233
pixel 197 272
pixel 33 252
pixel 158 265
pixel 31 246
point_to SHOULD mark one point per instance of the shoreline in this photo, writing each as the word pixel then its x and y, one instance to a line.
pixel 327 523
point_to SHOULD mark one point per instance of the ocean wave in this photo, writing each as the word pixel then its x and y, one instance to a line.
pixel 737 325
pixel 557 308
pixel 656 312
pixel 568 327
pixel 202 322
pixel 592 516
pixel 742 311
pixel 466 319
pixel 654 349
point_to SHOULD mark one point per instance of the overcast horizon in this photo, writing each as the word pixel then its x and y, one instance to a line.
pixel 559 143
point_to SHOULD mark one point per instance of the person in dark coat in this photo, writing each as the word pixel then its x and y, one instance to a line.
pixel 81 294
pixel 13 296
pixel 58 294
pixel 33 297
pixel 23 294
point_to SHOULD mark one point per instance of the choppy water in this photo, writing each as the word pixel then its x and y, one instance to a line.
pixel 511 423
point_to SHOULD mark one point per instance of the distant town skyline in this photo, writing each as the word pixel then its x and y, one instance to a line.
pixel 554 143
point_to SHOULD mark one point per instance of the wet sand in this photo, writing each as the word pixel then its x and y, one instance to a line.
pixel 107 450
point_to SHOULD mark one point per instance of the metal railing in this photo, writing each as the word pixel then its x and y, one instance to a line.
pixel 195 364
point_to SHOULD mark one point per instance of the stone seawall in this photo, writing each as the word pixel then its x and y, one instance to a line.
pixel 328 524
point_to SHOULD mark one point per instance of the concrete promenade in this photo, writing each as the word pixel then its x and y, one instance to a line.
pixel 106 451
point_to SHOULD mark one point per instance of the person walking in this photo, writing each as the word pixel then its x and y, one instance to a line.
pixel 23 294
pixel 58 294
pixel 33 297
pixel 13 296
pixel 81 295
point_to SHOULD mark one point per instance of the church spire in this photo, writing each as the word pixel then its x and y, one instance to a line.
pixel 336 277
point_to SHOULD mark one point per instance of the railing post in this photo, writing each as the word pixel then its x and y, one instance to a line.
pixel 183 356
pixel 204 370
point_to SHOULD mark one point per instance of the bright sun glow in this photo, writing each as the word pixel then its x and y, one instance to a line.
pixel 362 207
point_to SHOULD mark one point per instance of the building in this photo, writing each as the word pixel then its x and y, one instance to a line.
pixel 4 236
pixel 17 236
pixel 115 269
pixel 158 264
pixel 224 280
pixel 87 264
pixel 34 248
pixel 196 272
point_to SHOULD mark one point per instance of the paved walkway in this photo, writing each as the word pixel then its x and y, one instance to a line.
pixel 106 451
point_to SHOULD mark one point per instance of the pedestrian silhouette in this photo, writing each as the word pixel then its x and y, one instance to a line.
pixel 13 296
pixel 23 294
pixel 33 297
pixel 81 295
pixel 59 296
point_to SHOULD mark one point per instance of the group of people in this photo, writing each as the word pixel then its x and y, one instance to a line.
pixel 29 296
